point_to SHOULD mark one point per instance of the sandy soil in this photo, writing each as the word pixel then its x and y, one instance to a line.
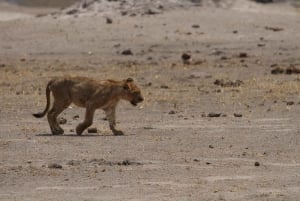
pixel 173 149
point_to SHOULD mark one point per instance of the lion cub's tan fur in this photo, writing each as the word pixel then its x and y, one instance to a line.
pixel 91 94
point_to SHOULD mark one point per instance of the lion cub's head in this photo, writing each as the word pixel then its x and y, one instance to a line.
pixel 132 92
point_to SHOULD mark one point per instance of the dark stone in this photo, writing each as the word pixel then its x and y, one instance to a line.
pixel 127 52
pixel 55 166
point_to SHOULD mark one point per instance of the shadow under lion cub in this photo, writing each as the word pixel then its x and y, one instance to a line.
pixel 90 94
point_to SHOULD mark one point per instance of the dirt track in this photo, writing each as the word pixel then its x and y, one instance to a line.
pixel 172 149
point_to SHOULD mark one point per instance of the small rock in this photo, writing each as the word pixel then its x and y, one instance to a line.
pixel 229 83
pixel 127 52
pixel 212 114
pixel 2 65
pixel 210 146
pixel 196 160
pixel 109 20
pixel 164 87
pixel 263 1
pixel 172 112
pixel 237 115
pixel 290 103
pixel 292 70
pixel 92 130
pixel 273 65
pixel 62 120
pixel 72 12
pixel 256 164
pixel 261 45
pixel 123 13
pixel 151 12
pixel 55 166
pixel 277 71
pixel 275 29
pixel 196 26
pixel 235 31
pixel 186 58
pixel 75 117
pixel 207 163
pixel 243 55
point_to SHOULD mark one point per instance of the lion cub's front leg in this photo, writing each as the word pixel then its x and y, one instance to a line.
pixel 111 116
pixel 88 120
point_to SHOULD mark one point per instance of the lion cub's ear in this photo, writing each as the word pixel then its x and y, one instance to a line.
pixel 129 80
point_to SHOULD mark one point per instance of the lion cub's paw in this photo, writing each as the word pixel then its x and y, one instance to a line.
pixel 57 132
pixel 118 132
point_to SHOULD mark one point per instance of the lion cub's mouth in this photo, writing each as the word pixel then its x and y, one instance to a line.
pixel 133 103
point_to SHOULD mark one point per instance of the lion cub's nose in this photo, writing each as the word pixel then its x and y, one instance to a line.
pixel 141 99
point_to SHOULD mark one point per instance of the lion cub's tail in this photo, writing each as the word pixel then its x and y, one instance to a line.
pixel 41 114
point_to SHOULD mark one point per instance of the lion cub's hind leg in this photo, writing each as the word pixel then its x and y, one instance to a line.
pixel 56 109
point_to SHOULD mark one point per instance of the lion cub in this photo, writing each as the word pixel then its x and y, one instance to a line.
pixel 91 94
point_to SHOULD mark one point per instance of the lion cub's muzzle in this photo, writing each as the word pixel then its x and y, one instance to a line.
pixel 135 101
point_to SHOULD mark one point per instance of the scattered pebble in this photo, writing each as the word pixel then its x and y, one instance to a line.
pixel 277 71
pixel 229 83
pixel 127 52
pixel 186 58
pixel 243 55
pixel 290 103
pixel 151 12
pixel 210 146
pixel 164 87
pixel 55 166
pixel 290 70
pixel 109 20
pixel 62 120
pixel 256 164
pixel 196 26
pixel 261 45
pixel 172 112
pixel 275 29
pixel 273 65
pixel 237 115
pixel 75 117
pixel 110 163
pixel 72 12
pixel 212 114
pixel 264 1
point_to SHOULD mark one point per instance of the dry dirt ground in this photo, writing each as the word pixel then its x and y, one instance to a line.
pixel 173 149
